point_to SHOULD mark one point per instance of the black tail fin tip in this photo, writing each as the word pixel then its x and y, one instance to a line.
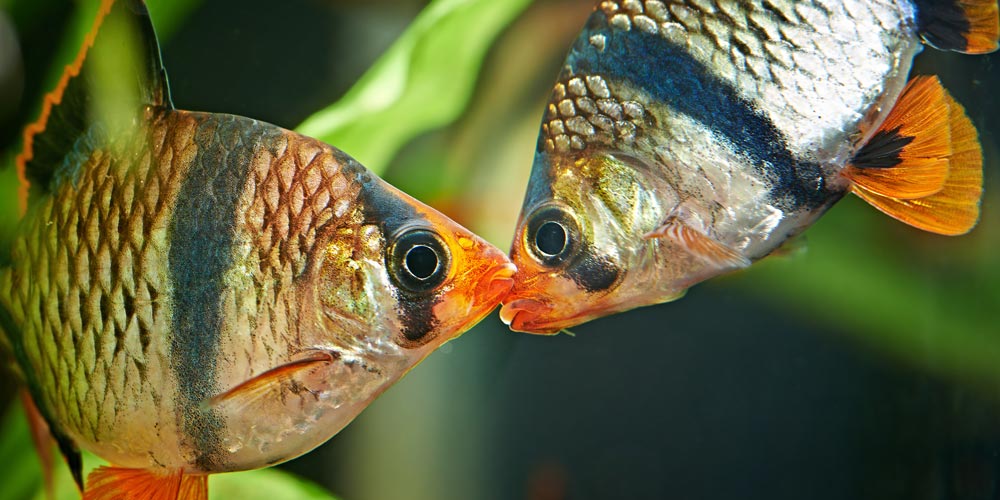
pixel 968 26
pixel 68 110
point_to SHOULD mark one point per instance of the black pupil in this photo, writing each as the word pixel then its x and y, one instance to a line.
pixel 550 238
pixel 421 261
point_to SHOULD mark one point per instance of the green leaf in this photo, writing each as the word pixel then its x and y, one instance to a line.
pixel 423 81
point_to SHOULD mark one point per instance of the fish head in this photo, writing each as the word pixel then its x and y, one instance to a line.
pixel 386 282
pixel 404 280
pixel 579 245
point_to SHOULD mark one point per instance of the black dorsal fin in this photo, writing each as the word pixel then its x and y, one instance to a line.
pixel 118 68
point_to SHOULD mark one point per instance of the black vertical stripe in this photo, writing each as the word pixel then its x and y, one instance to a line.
pixel 202 233
pixel 670 74
pixel 393 215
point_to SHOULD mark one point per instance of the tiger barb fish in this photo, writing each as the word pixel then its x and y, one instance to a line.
pixel 689 138
pixel 191 293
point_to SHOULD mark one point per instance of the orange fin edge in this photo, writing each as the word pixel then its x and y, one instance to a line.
pixel 966 26
pixel 699 244
pixel 253 388
pixel 984 25
pixel 119 483
pixel 51 100
pixel 953 210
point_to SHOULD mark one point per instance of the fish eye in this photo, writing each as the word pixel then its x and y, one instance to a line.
pixel 551 235
pixel 550 239
pixel 419 260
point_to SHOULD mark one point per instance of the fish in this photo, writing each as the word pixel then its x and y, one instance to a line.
pixel 685 139
pixel 191 293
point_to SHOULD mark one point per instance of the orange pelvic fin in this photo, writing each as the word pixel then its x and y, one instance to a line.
pixel 904 190
pixel 117 483
pixel 968 26
pixel 699 244
pixel 252 390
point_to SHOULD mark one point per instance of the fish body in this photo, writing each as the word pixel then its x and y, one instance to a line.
pixel 688 138
pixel 191 293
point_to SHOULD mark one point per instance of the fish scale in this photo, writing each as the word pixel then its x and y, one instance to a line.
pixel 112 348
pixel 811 87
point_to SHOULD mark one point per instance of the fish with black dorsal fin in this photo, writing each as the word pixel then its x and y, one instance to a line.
pixel 192 293
pixel 689 138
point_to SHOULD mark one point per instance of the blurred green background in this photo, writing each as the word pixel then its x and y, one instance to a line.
pixel 867 366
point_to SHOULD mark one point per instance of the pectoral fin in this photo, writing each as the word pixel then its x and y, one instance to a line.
pixel 700 244
pixel 252 390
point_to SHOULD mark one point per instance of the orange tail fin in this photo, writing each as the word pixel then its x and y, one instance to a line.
pixel 924 166
pixel 117 483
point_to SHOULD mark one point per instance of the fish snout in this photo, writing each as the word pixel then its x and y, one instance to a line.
pixel 491 275
pixel 496 286
pixel 502 281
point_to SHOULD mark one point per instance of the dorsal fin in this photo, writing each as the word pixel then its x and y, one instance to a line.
pixel 118 69
pixel 968 26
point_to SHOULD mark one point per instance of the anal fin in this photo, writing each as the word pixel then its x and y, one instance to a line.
pixel 119 483
pixel 699 244
pixel 907 158
pixel 932 180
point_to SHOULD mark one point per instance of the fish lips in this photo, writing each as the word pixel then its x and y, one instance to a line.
pixel 528 316
pixel 494 289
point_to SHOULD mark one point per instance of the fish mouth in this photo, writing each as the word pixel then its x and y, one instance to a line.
pixel 498 285
pixel 527 316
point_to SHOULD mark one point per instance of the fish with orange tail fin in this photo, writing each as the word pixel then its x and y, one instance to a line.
pixel 192 293
pixel 685 139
